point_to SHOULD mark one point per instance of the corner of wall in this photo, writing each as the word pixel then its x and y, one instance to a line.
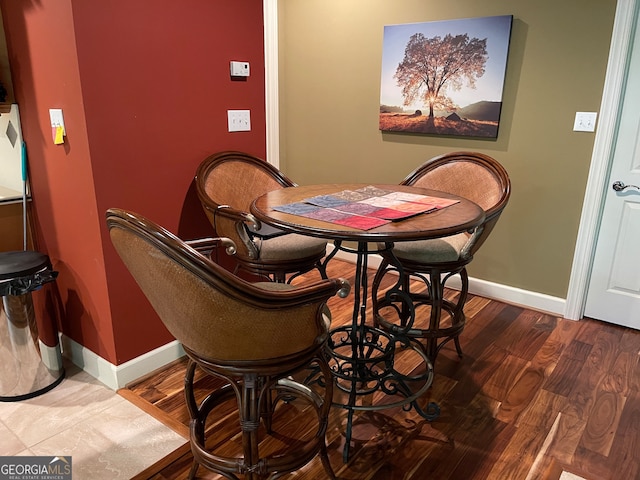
pixel 118 376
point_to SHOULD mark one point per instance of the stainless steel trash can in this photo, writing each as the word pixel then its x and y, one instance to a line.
pixel 29 364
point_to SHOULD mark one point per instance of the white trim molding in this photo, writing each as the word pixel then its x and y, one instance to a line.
pixel 272 111
pixel 503 293
pixel 623 28
pixel 118 376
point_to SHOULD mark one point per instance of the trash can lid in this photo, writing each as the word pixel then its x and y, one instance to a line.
pixel 22 263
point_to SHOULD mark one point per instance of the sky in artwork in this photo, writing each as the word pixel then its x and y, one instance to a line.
pixel 489 87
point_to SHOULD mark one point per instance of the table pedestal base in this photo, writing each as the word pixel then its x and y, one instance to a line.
pixel 374 369
pixel 366 372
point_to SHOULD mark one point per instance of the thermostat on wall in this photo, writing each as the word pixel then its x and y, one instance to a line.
pixel 239 69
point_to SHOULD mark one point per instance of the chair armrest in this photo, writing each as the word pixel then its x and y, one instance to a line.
pixel 238 215
pixel 244 222
pixel 206 245
pixel 289 296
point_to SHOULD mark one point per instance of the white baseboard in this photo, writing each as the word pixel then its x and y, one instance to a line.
pixel 495 291
pixel 118 376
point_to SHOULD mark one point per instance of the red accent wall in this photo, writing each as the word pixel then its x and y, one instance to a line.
pixel 144 86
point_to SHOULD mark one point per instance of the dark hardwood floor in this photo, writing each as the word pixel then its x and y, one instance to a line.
pixel 533 396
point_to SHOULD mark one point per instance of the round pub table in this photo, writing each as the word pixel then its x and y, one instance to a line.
pixel 363 357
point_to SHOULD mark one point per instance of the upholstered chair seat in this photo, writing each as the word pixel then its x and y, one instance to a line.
pixel 447 249
pixel 281 248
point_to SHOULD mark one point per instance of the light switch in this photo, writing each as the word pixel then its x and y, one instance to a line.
pixel 585 122
pixel 58 131
pixel 57 120
pixel 239 120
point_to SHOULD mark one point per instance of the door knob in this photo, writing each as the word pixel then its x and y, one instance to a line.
pixel 619 186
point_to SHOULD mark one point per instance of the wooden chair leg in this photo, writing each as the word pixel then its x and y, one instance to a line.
pixel 267 409
pixel 456 341
pixel 436 294
pixel 459 312
pixel 324 413
pixel 194 470
pixel 249 424
pixel 192 406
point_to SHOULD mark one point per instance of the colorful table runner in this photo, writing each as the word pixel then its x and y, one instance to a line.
pixel 365 208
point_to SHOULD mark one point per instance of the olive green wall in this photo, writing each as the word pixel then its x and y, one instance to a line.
pixel 330 61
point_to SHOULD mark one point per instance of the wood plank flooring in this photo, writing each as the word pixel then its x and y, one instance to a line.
pixel 533 396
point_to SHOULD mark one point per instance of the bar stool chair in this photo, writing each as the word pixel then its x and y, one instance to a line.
pixel 254 337
pixel 470 175
pixel 227 183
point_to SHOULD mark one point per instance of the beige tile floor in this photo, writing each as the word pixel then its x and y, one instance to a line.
pixel 106 436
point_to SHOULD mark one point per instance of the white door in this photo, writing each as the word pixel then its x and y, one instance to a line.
pixel 614 289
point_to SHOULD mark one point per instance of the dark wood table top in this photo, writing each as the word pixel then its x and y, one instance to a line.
pixel 462 216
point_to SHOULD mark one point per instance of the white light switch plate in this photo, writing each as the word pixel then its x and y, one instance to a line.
pixel 585 122
pixel 56 118
pixel 239 120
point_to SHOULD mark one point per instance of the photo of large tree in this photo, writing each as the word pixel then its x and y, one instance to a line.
pixel 444 78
